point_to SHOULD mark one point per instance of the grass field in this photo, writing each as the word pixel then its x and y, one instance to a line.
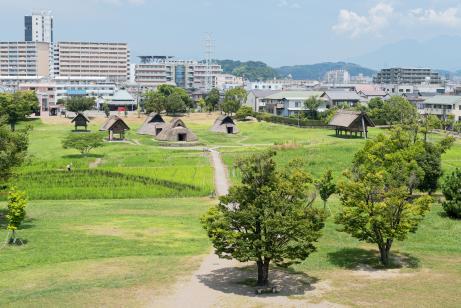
pixel 101 252
pixel 97 251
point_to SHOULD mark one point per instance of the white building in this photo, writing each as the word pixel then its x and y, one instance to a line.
pixel 228 81
pixel 187 74
pixel 286 103
pixel 24 59
pixel 38 27
pixel 337 77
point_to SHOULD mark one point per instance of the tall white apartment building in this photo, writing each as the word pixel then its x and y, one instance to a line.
pixel 24 59
pixel 337 77
pixel 92 59
pixel 187 74
pixel 38 27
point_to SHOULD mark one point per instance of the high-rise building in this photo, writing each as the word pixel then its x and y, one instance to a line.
pixel 407 76
pixel 92 59
pixel 38 27
pixel 337 77
pixel 24 59
pixel 187 74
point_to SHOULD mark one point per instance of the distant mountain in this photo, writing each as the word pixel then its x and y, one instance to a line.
pixel 318 71
pixel 441 52
pixel 252 70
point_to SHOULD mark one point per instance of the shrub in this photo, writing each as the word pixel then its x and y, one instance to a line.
pixel 452 192
pixel 243 112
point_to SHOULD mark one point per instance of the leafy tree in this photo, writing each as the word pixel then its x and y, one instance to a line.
pixel 269 217
pixel 448 122
pixel 166 89
pixel 16 211
pixel 243 112
pixel 451 191
pixel 202 104
pixel 312 104
pixel 233 99
pixel 174 104
pixel 79 103
pixel 13 150
pixel 154 101
pixel 428 123
pixel 84 142
pixel 431 163
pixel 377 197
pixel 398 110
pixel 188 101
pixel 326 187
pixel 212 99
pixel 18 106
pixel 106 109
pixel 457 127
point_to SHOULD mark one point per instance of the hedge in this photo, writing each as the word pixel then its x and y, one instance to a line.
pixel 289 121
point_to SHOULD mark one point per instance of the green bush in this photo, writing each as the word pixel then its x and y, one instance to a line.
pixel 452 191
pixel 243 112
pixel 288 121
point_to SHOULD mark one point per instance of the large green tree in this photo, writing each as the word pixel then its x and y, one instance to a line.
pixel 269 217
pixel 312 104
pixel 13 150
pixel 83 142
pixel 233 100
pixel 378 205
pixel 212 99
pixel 154 101
pixel 174 104
pixel 18 106
pixel 452 192
pixel 398 110
pixel 79 103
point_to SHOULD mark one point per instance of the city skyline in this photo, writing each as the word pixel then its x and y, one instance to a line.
pixel 278 32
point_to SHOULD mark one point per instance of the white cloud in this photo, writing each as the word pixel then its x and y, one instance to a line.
pixel 449 17
pixel 288 4
pixel 353 24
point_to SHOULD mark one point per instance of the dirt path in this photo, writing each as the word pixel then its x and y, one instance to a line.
pixel 221 283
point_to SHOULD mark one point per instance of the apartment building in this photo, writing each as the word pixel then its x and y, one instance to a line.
pixel 441 106
pixel 337 77
pixel 92 59
pixel 38 27
pixel 23 59
pixel 407 76
pixel 187 74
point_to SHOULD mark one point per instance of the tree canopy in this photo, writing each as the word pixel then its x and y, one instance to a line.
pixel 83 142
pixel 13 150
pixel 452 193
pixel 18 106
pixel 269 217
pixel 154 101
pixel 79 103
pixel 233 99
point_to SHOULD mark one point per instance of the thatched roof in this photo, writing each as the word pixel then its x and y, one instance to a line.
pixel 346 118
pixel 114 122
pixel 153 122
pixel 173 130
pixel 222 123
pixel 80 117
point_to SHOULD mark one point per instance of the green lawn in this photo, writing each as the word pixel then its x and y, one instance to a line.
pixel 101 252
pixel 106 252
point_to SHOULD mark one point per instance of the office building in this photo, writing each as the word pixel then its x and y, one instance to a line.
pixel 337 77
pixel 407 76
pixel 187 74
pixel 92 59
pixel 38 27
pixel 24 59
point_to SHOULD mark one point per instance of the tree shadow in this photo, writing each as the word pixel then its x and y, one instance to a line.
pixel 357 258
pixel 3 221
pixel 78 156
pixel 241 281
pixel 444 214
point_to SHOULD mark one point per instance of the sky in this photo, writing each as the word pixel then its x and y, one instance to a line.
pixel 278 32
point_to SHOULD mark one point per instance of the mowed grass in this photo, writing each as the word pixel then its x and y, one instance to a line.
pixel 101 252
pixel 138 168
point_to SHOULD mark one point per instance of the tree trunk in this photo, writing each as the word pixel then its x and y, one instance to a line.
pixel 263 272
pixel 12 125
pixel 384 249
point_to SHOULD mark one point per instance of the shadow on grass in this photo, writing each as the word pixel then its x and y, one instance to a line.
pixel 3 221
pixel 78 156
pixel 346 136
pixel 241 281
pixel 444 214
pixel 356 258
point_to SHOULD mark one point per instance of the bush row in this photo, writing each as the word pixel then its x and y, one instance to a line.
pixel 289 121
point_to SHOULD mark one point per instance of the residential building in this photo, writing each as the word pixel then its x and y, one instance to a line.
pixel 187 74
pixel 46 94
pixel 38 27
pixel 227 81
pixel 283 85
pixel 442 106
pixel 24 59
pixel 368 92
pixel 92 59
pixel 336 98
pixel 337 77
pixel 286 103
pixel 407 76
pixel 255 99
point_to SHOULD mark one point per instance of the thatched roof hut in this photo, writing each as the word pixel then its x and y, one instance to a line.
pixel 80 120
pixel 153 125
pixel 115 125
pixel 176 130
pixel 352 122
pixel 224 124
